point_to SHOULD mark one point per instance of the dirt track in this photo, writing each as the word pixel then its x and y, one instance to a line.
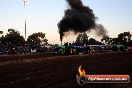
pixel 60 71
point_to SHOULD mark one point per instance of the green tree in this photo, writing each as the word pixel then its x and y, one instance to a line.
pixel 123 38
pixel 92 41
pixel 115 41
pixel 85 38
pixel 78 39
pixel 1 38
pixel 105 39
pixel 37 39
pixel 13 37
pixel 127 36
pixel 82 39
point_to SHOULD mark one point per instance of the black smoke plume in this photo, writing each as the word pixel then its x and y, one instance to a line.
pixel 78 18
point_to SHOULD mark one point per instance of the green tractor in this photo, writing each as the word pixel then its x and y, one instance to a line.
pixel 61 50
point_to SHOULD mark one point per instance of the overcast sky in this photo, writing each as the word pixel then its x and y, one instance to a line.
pixel 43 16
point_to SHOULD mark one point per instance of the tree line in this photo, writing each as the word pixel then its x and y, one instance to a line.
pixel 83 38
pixel 13 37
pixel 122 39
pixel 14 42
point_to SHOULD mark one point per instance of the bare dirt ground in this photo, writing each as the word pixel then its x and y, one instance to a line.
pixel 60 71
